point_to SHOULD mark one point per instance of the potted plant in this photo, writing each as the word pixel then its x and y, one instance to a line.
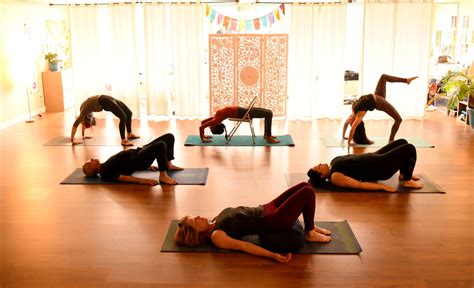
pixel 53 61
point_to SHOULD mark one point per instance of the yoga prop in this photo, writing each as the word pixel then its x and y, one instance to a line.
pixel 239 140
pixel 378 142
pixel 96 141
pixel 188 176
pixel 343 241
pixel 428 185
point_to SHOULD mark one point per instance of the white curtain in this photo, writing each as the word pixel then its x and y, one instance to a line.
pixel 103 47
pixel 316 61
pixel 396 42
pixel 122 54
pixel 190 85
pixel 88 52
pixel 157 60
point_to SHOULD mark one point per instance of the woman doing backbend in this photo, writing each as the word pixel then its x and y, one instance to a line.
pixel 370 102
pixel 356 171
pixel 225 230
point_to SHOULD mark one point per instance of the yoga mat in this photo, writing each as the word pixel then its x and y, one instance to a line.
pixel 428 185
pixel 188 176
pixel 96 141
pixel 343 241
pixel 239 140
pixel 378 142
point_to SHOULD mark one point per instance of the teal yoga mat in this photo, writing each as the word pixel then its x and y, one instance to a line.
pixel 239 140
pixel 96 141
pixel 343 241
pixel 188 176
pixel 428 185
pixel 378 142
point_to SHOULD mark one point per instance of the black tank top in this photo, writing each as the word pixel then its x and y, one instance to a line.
pixel 240 221
pixel 363 167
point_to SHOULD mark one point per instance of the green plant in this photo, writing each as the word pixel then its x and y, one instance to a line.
pixel 52 58
pixel 457 86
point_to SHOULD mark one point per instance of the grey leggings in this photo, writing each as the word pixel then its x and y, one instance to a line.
pixel 382 104
pixel 119 109
pixel 257 112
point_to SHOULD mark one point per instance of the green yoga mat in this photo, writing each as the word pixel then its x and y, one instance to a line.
pixel 96 141
pixel 239 140
pixel 188 176
pixel 428 185
pixel 343 241
pixel 378 142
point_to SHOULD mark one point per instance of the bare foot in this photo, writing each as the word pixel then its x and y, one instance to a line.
pixel 132 136
pixel 174 167
pixel 413 177
pixel 313 236
pixel 271 139
pixel 126 142
pixel 411 79
pixel 164 178
pixel 412 184
pixel 322 230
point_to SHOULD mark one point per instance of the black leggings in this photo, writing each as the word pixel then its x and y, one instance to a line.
pixel 119 109
pixel 259 113
pixel 161 149
pixel 398 155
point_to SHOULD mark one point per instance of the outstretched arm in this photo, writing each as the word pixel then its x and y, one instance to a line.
pixel 342 180
pixel 132 179
pixel 356 121
pixel 348 121
pixel 74 130
pixel 204 124
pixel 222 240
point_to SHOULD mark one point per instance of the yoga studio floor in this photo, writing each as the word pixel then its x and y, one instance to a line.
pixel 54 235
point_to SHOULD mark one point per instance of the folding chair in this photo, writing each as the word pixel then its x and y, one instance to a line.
pixel 245 118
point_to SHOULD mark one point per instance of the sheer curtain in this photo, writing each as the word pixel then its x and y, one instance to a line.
pixel 396 42
pixel 157 63
pixel 87 52
pixel 190 85
pixel 316 61
pixel 122 54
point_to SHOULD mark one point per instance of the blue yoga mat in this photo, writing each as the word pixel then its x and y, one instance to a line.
pixel 188 176
pixel 239 140
pixel 96 141
pixel 428 185
pixel 343 241
pixel 378 142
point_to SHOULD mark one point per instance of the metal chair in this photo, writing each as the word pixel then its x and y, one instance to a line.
pixel 245 118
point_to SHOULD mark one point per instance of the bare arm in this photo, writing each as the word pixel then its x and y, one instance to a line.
pixel 132 179
pixel 204 124
pixel 342 180
pixel 348 121
pixel 222 240
pixel 73 132
pixel 356 121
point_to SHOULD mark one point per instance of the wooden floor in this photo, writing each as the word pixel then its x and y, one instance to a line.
pixel 54 235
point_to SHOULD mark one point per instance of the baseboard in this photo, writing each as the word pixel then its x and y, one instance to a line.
pixel 21 118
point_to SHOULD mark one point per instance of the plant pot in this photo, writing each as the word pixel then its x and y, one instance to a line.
pixel 470 113
pixel 54 66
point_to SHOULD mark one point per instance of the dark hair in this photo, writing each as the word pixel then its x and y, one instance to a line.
pixel 186 235
pixel 360 137
pixel 218 129
pixel 89 121
pixel 315 177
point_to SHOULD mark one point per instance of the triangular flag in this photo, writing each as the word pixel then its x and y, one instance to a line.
pixel 241 25
pixel 248 25
pixel 277 14
pixel 271 18
pixel 226 22
pixel 208 10
pixel 213 15
pixel 256 23
pixel 219 18
pixel 263 21
pixel 233 24
pixel 282 7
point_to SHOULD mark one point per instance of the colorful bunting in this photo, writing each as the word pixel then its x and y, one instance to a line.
pixel 245 24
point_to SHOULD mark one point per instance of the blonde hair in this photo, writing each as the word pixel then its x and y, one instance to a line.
pixel 186 235
pixel 89 170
